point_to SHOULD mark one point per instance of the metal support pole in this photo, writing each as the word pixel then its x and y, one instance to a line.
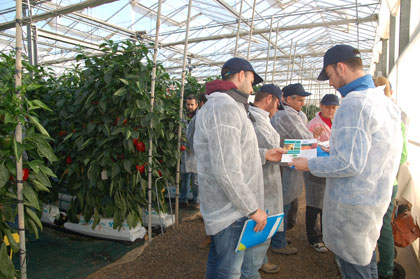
pixel 293 63
pixel 275 54
pixel 357 23
pixel 35 44
pixel 152 104
pixel 290 58
pixel 301 68
pixel 252 29
pixel 18 137
pixel 268 50
pixel 239 28
pixel 181 106
pixel 29 39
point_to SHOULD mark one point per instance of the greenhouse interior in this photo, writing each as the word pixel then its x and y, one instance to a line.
pixel 96 129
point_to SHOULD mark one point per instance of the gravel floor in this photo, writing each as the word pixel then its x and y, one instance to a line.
pixel 176 255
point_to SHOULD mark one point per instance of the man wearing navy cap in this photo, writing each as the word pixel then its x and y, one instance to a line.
pixel 290 124
pixel 365 150
pixel 266 103
pixel 230 177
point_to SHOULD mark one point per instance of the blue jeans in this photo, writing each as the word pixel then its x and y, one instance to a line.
pixel 253 259
pixel 222 260
pixel 354 271
pixel 186 179
pixel 279 238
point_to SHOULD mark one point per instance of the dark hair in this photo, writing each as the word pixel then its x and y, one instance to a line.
pixel 260 95
pixel 192 97
pixel 202 98
pixel 226 75
pixel 354 63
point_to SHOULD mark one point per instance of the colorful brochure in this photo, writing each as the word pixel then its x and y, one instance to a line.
pixel 299 148
pixel 250 238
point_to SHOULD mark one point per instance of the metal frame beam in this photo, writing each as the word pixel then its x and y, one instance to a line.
pixel 64 10
pixel 371 18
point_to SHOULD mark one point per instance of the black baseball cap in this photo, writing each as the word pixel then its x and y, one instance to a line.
pixel 330 100
pixel 271 89
pixel 236 64
pixel 295 89
pixel 337 53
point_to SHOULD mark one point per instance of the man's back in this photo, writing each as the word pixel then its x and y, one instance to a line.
pixel 365 147
pixel 228 162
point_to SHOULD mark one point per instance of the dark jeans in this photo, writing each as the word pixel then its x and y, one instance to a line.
pixel 292 216
pixel 279 238
pixel 313 228
pixel 186 179
pixel 386 241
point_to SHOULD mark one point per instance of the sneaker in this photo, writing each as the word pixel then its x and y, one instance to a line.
pixel 270 268
pixel 285 250
pixel 319 247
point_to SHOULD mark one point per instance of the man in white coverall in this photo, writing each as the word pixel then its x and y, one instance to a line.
pixel 365 149
pixel 229 170
pixel 266 103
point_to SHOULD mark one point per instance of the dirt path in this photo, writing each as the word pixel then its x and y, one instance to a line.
pixel 176 255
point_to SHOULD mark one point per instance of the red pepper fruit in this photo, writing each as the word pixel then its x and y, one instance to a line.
pixel 140 168
pixel 160 174
pixel 25 174
pixel 183 147
pixel 135 141
pixel 68 160
pixel 62 133
pixel 141 147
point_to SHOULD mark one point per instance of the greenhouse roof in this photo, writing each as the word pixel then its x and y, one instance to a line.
pixel 286 44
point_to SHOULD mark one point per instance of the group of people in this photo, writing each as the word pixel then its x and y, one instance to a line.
pixel 237 149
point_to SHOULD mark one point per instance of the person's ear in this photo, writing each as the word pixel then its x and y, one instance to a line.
pixel 341 68
pixel 269 99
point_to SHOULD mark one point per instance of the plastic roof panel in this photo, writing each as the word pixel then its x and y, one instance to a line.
pixel 307 28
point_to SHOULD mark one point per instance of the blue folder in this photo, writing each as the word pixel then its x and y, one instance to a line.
pixel 250 238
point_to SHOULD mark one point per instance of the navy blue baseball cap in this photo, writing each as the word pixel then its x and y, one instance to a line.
pixel 271 89
pixel 338 53
pixel 236 64
pixel 330 100
pixel 295 89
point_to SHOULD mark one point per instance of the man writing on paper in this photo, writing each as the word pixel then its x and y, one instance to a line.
pixel 266 103
pixel 229 169
pixel 365 146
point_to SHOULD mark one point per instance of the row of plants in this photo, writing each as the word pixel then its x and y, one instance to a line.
pixel 86 134
pixel 35 151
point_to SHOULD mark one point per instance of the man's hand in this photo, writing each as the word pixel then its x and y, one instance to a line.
pixel 325 149
pixel 275 154
pixel 317 131
pixel 260 217
pixel 300 164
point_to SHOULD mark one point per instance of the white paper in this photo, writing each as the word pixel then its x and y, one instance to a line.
pixel 299 148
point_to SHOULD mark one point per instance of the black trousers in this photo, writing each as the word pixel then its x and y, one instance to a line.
pixel 292 215
pixel 313 227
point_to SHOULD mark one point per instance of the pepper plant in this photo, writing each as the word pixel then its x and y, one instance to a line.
pixel 101 125
pixel 34 149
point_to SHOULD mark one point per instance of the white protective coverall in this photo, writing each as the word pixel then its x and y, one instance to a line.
pixel 268 138
pixel 290 124
pixel 228 163
pixel 365 146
